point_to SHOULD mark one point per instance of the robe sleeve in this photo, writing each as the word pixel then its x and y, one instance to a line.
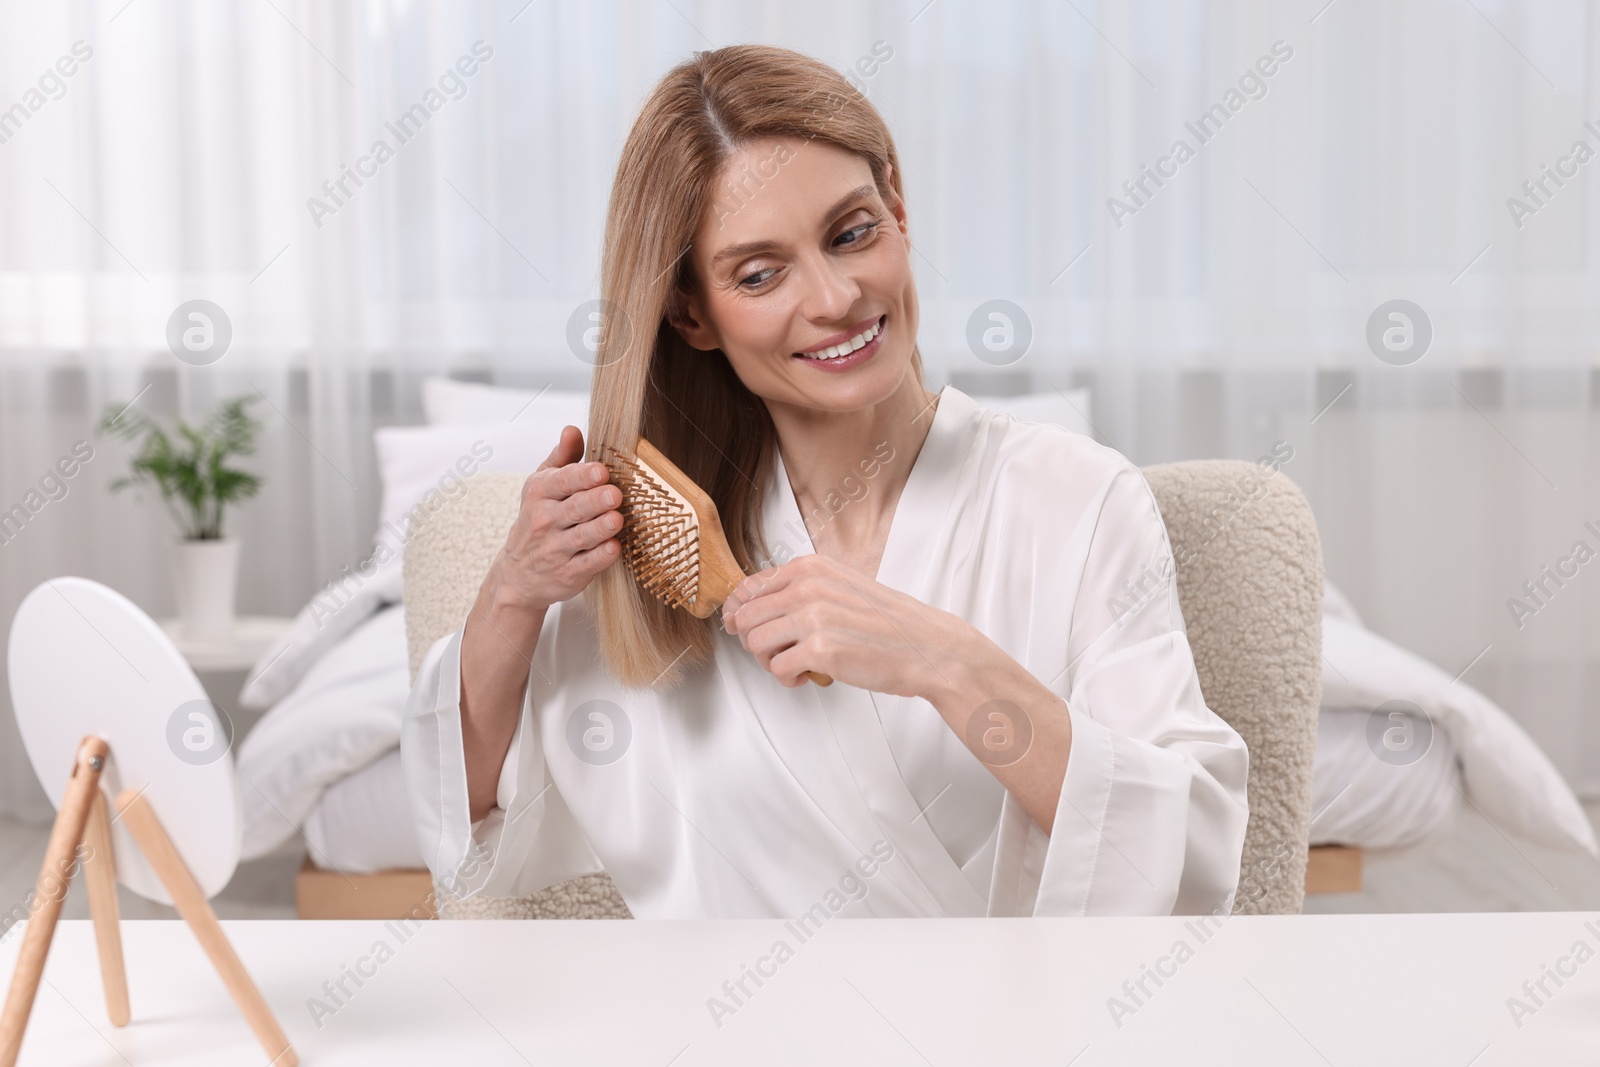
pixel 529 840
pixel 1153 807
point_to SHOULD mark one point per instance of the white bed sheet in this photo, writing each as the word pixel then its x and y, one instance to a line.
pixel 1358 799
pixel 362 823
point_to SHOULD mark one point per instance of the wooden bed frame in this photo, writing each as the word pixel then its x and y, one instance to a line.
pixel 399 894
pixel 396 894
pixel 1333 869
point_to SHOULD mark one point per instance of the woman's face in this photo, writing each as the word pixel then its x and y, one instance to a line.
pixel 798 260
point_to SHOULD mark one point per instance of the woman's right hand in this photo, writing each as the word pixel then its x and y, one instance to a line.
pixel 566 530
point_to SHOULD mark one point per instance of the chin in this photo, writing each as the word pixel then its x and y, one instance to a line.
pixel 852 391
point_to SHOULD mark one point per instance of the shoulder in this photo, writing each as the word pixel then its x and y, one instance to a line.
pixel 1051 464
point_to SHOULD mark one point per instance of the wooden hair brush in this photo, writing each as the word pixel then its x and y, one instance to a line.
pixel 671 536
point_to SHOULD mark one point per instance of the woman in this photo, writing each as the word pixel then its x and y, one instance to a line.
pixel 1008 732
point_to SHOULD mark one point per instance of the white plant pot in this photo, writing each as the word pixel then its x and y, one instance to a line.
pixel 206 574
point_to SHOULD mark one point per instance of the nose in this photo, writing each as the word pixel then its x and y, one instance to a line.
pixel 831 290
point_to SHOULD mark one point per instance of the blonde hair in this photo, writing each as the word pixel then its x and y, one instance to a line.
pixel 648 381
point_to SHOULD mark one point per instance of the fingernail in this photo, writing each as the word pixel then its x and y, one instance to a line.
pixel 597 473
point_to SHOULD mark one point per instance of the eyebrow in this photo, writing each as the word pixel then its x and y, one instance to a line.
pixel 752 247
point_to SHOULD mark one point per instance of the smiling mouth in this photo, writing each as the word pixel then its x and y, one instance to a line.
pixel 845 348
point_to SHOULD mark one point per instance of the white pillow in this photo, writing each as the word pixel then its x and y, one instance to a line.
pixel 1070 409
pixel 420 467
pixel 1507 776
pixel 445 400
pixel 423 467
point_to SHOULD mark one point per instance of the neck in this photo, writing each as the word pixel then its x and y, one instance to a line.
pixel 845 487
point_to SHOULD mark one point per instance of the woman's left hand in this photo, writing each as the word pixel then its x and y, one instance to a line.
pixel 815 614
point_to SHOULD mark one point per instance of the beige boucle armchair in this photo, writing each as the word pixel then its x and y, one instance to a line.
pixel 1249 582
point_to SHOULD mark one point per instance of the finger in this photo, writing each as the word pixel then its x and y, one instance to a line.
pixel 789 666
pixel 759 584
pixel 598 558
pixel 595 532
pixel 771 638
pixel 730 610
pixel 569 449
pixel 732 606
pixel 561 482
pixel 589 504
pixel 754 613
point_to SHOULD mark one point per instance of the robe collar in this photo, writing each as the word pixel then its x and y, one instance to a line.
pixel 920 515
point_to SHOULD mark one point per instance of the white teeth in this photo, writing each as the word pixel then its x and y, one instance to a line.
pixel 846 347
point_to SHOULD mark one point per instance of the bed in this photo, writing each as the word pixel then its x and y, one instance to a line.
pixel 1400 745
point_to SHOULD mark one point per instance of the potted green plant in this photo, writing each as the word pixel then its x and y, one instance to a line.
pixel 188 465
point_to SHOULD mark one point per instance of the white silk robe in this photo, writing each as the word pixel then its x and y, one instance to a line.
pixel 732 796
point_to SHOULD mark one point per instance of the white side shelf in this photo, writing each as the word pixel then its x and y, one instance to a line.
pixel 252 636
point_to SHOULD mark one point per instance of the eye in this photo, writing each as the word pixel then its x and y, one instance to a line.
pixel 861 232
pixel 753 281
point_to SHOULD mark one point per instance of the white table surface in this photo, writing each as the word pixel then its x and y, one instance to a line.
pixel 1351 990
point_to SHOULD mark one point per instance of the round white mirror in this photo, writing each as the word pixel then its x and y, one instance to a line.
pixel 85 660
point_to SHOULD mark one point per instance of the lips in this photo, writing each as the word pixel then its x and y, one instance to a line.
pixel 861 343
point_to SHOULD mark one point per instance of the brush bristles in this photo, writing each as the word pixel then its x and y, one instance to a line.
pixel 660 534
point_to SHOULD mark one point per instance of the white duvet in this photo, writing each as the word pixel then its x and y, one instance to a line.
pixel 340 716
pixel 1477 755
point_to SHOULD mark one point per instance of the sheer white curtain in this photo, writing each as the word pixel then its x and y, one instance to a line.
pixel 1215 313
